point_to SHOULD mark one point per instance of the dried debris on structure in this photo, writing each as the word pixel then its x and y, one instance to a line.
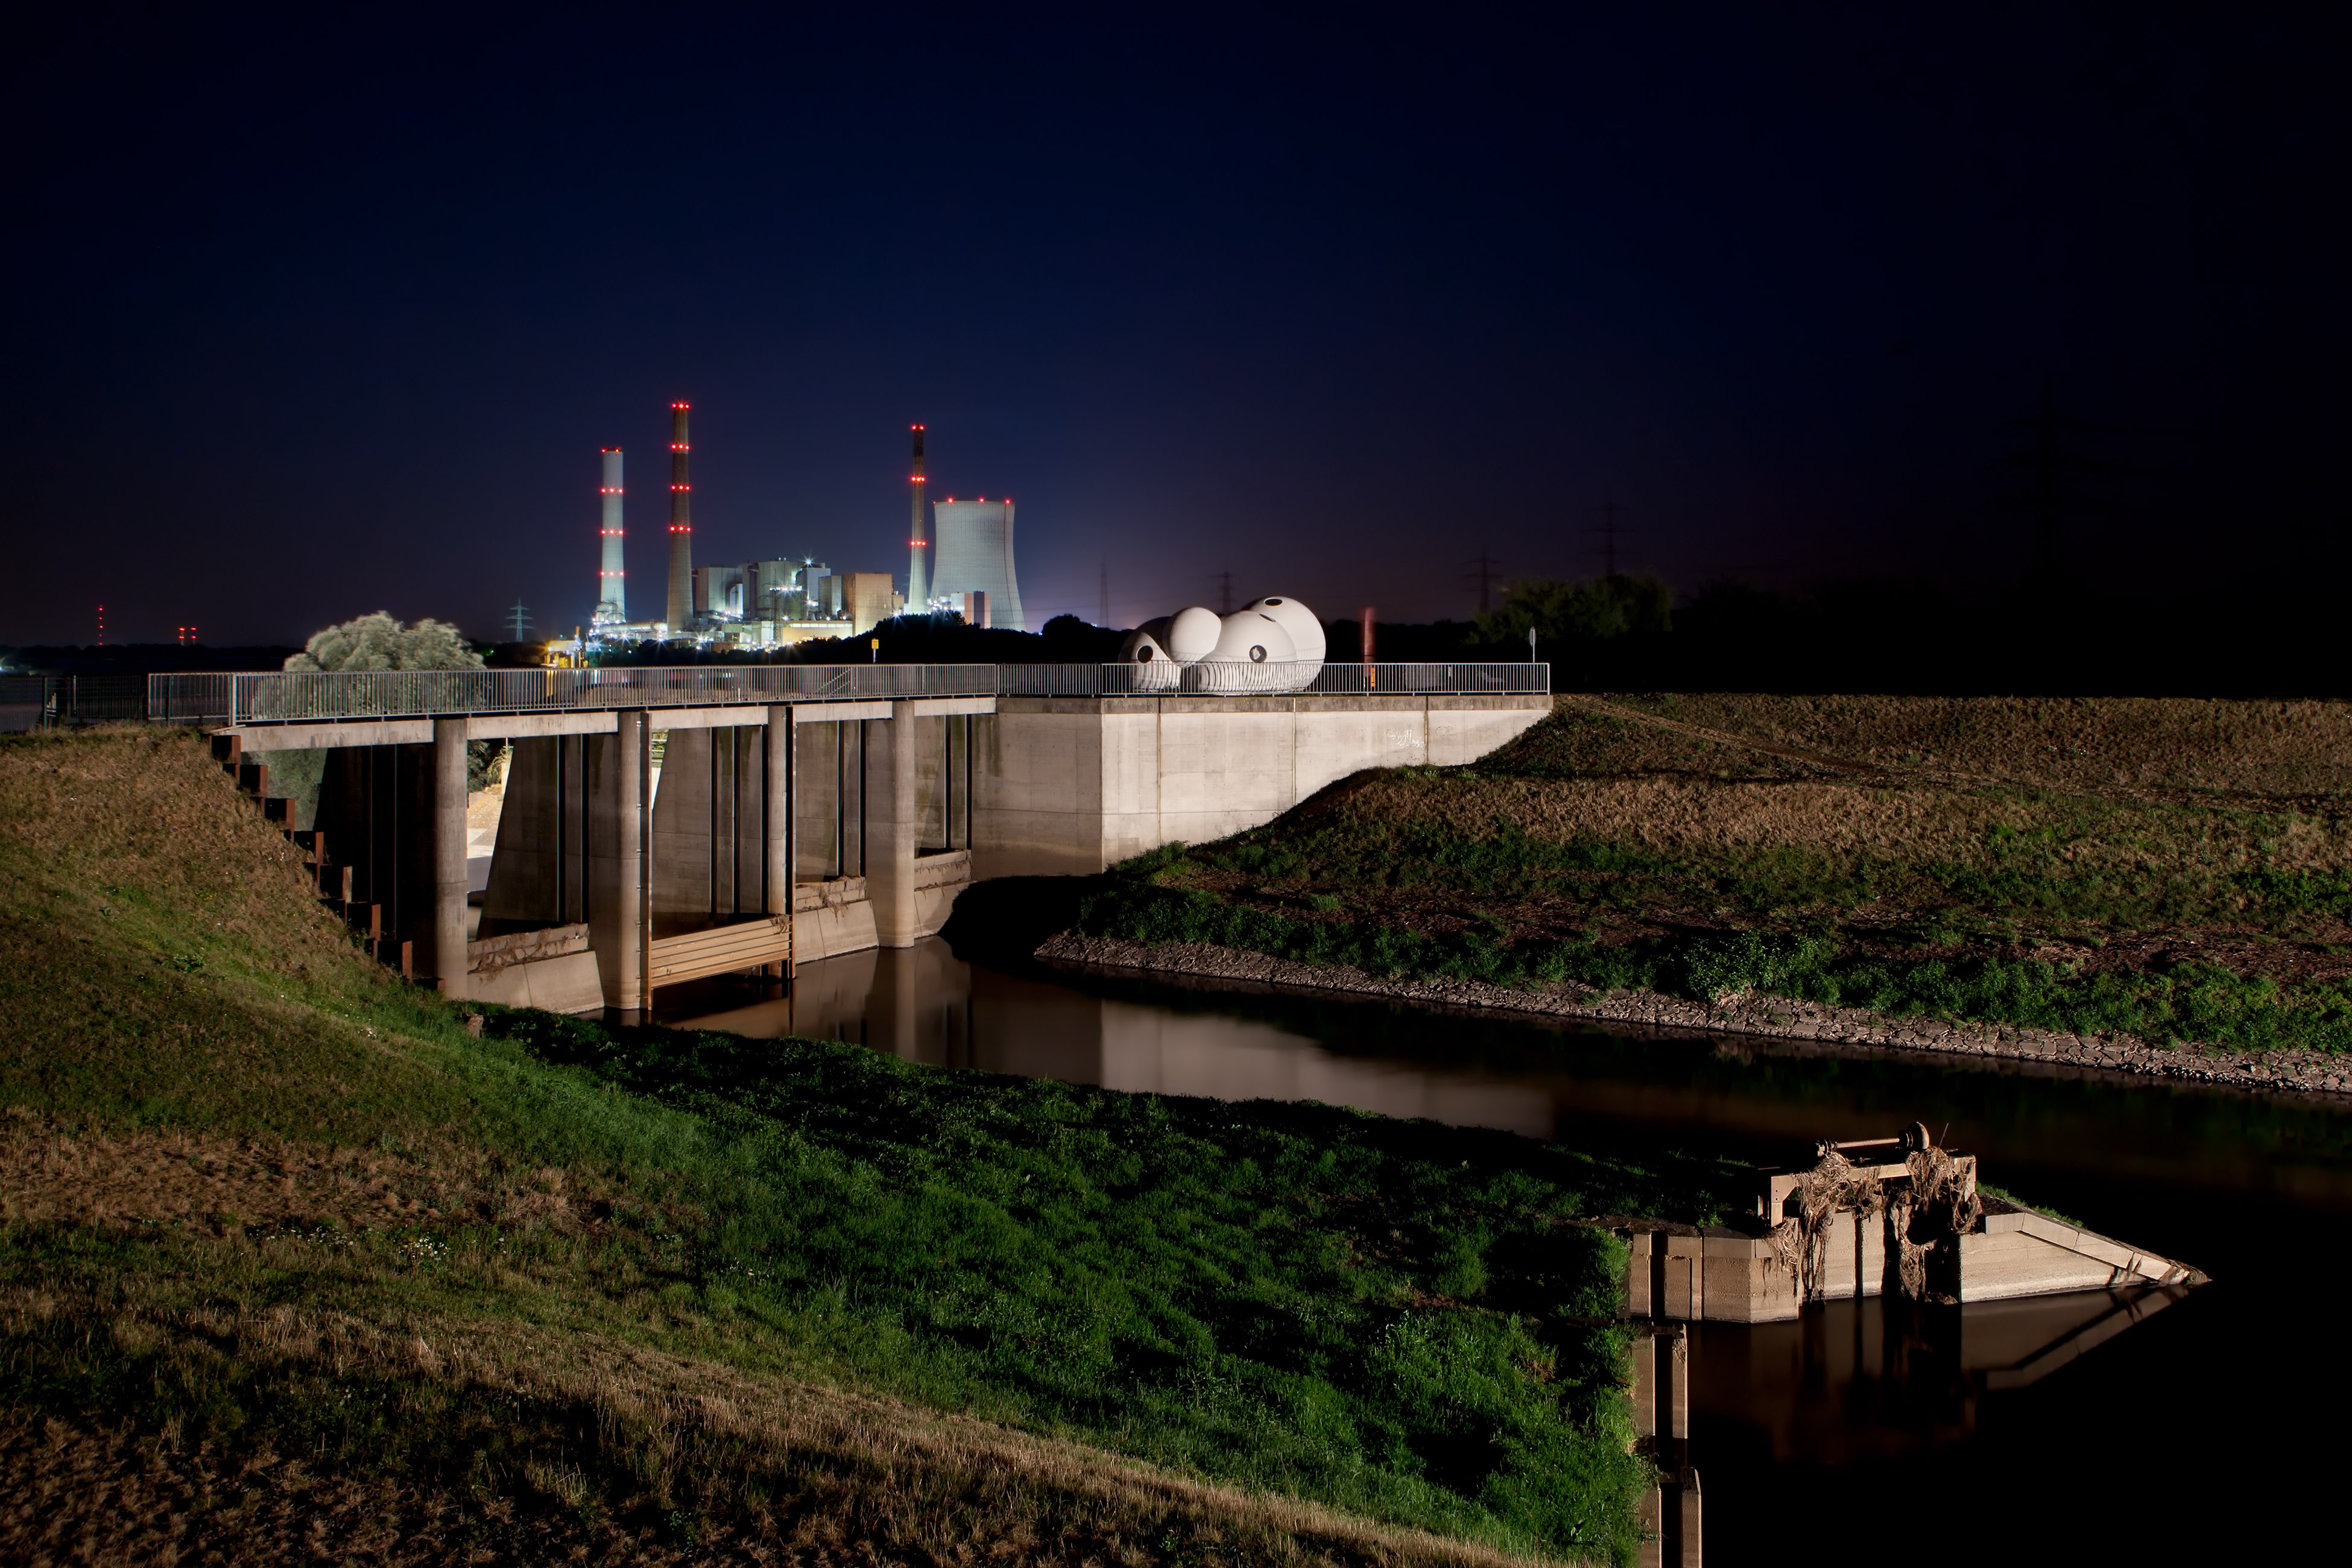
pixel 1925 1215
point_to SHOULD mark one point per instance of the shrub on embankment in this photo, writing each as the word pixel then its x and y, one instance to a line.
pixel 1952 860
pixel 234 1149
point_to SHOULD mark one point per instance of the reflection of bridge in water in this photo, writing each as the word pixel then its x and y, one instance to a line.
pixel 802 811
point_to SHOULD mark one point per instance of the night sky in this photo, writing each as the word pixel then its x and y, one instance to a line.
pixel 309 314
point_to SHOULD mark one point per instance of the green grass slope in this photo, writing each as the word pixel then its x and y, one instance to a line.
pixel 2179 870
pixel 289 1252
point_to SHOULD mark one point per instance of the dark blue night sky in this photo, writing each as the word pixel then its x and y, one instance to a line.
pixel 314 313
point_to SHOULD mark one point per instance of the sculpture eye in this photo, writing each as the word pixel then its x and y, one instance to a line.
pixel 1257 653
pixel 1273 601
pixel 1143 654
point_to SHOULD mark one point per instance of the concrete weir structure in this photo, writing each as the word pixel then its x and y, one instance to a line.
pixel 1074 784
pixel 1884 1216
pixel 795 811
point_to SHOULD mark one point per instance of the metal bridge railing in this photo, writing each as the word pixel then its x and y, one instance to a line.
pixel 1161 678
pixel 63 701
pixel 294 696
pixel 190 697
pixel 299 697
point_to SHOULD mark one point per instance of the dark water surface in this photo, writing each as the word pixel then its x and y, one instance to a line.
pixel 2186 1425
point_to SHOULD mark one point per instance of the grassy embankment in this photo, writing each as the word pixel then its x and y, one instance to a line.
pixel 2170 870
pixel 290 1259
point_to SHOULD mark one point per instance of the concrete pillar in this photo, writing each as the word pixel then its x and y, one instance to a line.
pixel 445 958
pixel 1689 1505
pixel 1674 1366
pixel 617 766
pixel 1644 1392
pixel 778 842
pixel 1685 1278
pixel 892 826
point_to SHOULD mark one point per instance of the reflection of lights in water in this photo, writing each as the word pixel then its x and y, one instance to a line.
pixel 925 1005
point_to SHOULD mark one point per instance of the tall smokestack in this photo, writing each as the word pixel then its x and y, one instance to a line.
pixel 612 588
pixel 917 590
pixel 681 526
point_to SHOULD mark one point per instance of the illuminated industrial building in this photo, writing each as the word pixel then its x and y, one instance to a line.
pixel 776 603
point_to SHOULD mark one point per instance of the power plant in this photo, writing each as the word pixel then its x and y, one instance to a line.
pixel 778 602
pixel 975 556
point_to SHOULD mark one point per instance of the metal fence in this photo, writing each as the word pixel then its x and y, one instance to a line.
pixel 286 697
pixel 190 697
pixel 295 697
pixel 63 701
pixel 1161 678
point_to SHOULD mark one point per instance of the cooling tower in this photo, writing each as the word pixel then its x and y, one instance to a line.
pixel 972 553
pixel 681 527
pixel 612 588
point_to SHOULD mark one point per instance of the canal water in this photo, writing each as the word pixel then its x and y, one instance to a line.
pixel 2179 1425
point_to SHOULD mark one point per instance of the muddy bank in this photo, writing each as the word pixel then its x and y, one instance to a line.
pixel 1771 1017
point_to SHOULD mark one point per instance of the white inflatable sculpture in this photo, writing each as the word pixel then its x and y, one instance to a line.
pixel 1268 645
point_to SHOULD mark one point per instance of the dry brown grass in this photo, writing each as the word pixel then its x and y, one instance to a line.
pixel 1913 821
pixel 143 808
pixel 1683 816
pixel 2260 752
pixel 1917 780
pixel 771 1469
pixel 212 1185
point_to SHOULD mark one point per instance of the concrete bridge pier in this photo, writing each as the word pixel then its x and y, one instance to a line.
pixel 445 955
pixel 892 829
pixel 620 770
pixel 780 835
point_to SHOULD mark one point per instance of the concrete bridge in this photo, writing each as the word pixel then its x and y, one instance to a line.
pixel 664 824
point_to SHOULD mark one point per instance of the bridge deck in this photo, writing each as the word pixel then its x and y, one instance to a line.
pixel 514 702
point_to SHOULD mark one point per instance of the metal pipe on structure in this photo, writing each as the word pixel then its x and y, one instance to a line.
pixel 918 590
pixel 611 589
pixel 681 526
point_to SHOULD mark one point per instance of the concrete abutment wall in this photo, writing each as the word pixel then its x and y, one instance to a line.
pixel 1072 786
